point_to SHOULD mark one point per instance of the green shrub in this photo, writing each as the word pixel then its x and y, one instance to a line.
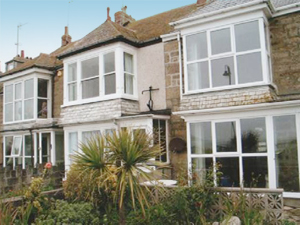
pixel 69 213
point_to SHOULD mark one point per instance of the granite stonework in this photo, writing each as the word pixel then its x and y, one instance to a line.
pixel 227 98
pixel 97 111
pixel 19 178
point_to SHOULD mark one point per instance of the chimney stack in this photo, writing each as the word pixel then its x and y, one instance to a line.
pixel 22 54
pixel 122 18
pixel 66 38
pixel 108 17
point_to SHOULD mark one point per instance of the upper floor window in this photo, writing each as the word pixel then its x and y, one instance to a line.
pixel 100 77
pixel 26 100
pixel 232 55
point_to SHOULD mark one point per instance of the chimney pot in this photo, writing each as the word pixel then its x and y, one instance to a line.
pixel 66 30
pixel 22 54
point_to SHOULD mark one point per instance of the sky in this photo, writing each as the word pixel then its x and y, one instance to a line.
pixel 43 21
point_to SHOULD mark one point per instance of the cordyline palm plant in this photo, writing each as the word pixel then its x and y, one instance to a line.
pixel 118 163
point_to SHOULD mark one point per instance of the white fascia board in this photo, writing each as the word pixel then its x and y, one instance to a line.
pixel 224 13
pixel 287 9
pixel 283 107
pixel 169 37
pixel 26 72
pixel 144 116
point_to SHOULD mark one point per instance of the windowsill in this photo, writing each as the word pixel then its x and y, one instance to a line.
pixel 229 88
pixel 38 120
pixel 100 99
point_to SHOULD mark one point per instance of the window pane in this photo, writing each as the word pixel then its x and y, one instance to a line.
pixel 109 62
pixel 110 84
pixel 247 36
pixel 46 146
pixel 230 172
pixel 42 108
pixel 159 130
pixel 73 142
pixel 8 93
pixel 28 145
pixel 8 145
pixel 128 63
pixel 72 72
pixel 28 109
pixel 255 172
pixel 223 72
pixel 90 88
pixel 9 112
pixel 18 91
pixel 90 68
pixel 220 41
pixel 253 135
pixel 226 137
pixel 72 92
pixel 128 84
pixel 18 110
pixel 201 140
pixel 200 166
pixel 285 138
pixel 87 135
pixel 42 88
pixel 198 77
pixel 59 147
pixel 249 68
pixel 28 88
pixel 196 46
pixel 17 144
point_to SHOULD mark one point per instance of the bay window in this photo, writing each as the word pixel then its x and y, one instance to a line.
pixel 38 147
pixel 253 152
pixel 26 100
pixel 232 55
pixel 105 74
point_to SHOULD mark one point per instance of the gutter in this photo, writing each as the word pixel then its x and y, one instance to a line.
pixel 119 38
pixel 280 11
pixel 218 12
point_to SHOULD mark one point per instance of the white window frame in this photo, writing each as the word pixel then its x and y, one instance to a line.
pixel 23 99
pixel 230 23
pixel 119 50
pixel 231 115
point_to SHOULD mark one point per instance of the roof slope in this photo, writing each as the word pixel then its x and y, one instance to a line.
pixel 140 31
pixel 154 26
pixel 216 5
pixel 43 61
pixel 107 31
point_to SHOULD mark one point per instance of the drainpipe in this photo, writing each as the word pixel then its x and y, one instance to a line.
pixel 180 63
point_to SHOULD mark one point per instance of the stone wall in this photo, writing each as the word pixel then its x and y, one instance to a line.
pixel 285 44
pixel 97 111
pixel 177 127
pixel 226 98
pixel 17 179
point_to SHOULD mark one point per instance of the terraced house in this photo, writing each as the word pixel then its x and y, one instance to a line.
pixel 218 79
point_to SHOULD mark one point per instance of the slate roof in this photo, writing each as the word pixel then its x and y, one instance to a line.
pixel 281 3
pixel 216 5
pixel 138 32
pixel 43 61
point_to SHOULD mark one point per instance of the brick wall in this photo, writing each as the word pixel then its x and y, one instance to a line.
pixel 58 94
pixel 177 127
pixel 97 111
pixel 285 44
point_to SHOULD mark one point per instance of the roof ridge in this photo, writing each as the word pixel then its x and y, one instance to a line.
pixel 111 23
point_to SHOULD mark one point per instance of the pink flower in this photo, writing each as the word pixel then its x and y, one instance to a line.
pixel 48 165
